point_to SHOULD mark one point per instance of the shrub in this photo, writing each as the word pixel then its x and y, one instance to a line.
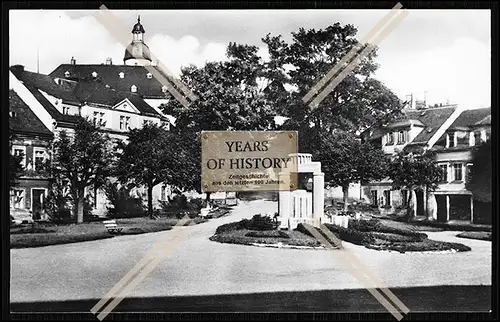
pixel 124 206
pixel 398 238
pixel 238 225
pixel 365 225
pixel 259 222
pixel 267 234
pixel 351 235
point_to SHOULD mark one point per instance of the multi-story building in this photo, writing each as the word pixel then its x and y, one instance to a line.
pixel 451 132
pixel 115 97
pixel 30 138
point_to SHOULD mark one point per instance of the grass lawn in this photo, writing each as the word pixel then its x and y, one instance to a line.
pixel 44 234
pixel 481 235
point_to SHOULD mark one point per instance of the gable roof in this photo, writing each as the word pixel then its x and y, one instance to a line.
pixel 431 119
pixel 24 119
pixel 472 118
pixel 110 75
pixel 88 90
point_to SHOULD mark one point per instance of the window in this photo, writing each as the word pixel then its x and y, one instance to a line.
pixel 444 172
pixel 99 119
pixel 18 198
pixel 387 198
pixel 477 137
pixel 390 138
pixel 469 168
pixel 124 122
pixel 404 198
pixel 39 159
pixel 457 170
pixel 374 197
pixel 20 151
pixel 401 137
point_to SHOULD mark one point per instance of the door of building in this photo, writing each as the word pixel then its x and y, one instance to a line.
pixel 441 208
pixel 38 199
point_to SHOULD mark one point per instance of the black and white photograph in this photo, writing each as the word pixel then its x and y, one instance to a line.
pixel 250 160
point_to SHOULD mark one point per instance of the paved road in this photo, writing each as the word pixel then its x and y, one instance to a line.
pixel 198 266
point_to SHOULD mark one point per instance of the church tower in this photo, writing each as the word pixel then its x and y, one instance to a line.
pixel 137 52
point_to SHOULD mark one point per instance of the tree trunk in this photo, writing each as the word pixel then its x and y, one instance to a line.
pixel 345 191
pixel 408 209
pixel 207 199
pixel 150 200
pixel 79 208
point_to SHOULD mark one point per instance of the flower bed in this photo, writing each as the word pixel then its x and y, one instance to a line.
pixel 260 230
pixel 374 235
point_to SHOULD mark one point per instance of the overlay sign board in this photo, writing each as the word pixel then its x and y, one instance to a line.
pixel 248 160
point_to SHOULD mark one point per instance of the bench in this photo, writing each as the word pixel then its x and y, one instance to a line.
pixel 112 227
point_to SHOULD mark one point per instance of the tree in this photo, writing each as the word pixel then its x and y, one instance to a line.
pixel 479 179
pixel 16 168
pixel 414 171
pixel 83 158
pixel 152 156
pixel 229 94
pixel 230 97
pixel 354 104
pixel 345 159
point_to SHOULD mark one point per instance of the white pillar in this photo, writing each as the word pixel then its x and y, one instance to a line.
pixel 447 207
pixel 432 206
pixel 471 209
pixel 284 202
pixel 318 194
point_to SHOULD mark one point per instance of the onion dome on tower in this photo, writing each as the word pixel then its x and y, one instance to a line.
pixel 137 52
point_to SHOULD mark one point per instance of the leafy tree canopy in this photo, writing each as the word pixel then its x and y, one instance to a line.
pixel 479 179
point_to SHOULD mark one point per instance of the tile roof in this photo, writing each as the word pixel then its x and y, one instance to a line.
pixel 431 118
pixel 24 120
pixel 110 75
pixel 86 90
pixel 471 118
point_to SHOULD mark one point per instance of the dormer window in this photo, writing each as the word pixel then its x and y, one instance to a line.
pixel 149 75
pixel 401 137
pixel 121 74
pixel 94 74
pixel 390 138
pixel 133 88
pixel 472 139
pixel 67 74
pixel 164 89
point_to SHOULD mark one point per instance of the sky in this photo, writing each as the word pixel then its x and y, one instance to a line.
pixel 445 53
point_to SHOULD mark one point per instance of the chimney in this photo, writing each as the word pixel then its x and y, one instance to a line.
pixel 73 61
pixel 109 61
